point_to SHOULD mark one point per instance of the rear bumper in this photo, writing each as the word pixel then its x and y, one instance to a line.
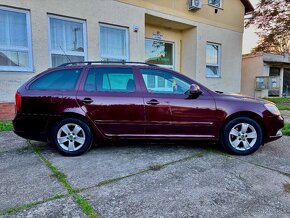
pixel 32 127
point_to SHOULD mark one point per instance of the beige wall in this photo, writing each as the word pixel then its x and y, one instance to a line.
pixel 231 16
pixel 231 53
pixel 92 11
pixel 197 29
pixel 251 68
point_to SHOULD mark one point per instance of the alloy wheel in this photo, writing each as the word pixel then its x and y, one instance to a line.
pixel 243 136
pixel 71 137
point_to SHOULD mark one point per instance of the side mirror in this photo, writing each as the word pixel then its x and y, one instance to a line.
pixel 194 90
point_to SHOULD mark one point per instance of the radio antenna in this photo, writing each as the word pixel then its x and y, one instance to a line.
pixel 65 54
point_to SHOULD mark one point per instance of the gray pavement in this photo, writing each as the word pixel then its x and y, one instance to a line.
pixel 286 115
pixel 145 180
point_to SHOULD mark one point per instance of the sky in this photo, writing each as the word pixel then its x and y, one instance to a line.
pixel 250 37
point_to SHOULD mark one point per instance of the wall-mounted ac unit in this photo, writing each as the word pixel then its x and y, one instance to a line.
pixel 194 4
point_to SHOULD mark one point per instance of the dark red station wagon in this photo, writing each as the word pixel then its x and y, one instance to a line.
pixel 78 104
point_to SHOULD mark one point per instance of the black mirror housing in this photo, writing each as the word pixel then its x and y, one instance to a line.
pixel 194 90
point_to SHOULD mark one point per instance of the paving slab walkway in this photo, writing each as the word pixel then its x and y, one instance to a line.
pixel 143 180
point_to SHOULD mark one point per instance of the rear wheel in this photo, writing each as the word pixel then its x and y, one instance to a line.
pixel 72 137
pixel 242 136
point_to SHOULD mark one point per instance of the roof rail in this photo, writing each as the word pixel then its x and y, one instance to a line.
pixel 104 62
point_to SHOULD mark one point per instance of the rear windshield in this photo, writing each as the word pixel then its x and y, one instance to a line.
pixel 57 80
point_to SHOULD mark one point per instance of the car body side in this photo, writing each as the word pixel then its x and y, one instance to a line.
pixel 126 115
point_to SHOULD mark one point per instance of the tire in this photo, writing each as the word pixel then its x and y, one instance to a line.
pixel 72 137
pixel 242 136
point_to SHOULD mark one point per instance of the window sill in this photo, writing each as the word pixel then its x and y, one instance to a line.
pixel 216 7
pixel 213 77
pixel 16 70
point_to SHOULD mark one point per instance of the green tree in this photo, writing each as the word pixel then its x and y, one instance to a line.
pixel 272 18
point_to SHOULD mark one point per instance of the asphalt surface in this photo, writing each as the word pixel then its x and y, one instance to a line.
pixel 144 180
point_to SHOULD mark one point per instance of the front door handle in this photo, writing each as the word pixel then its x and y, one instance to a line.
pixel 153 102
pixel 87 100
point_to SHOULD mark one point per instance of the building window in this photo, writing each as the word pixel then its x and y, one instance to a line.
pixel 15 40
pixel 114 44
pixel 159 52
pixel 213 53
pixel 67 41
pixel 215 3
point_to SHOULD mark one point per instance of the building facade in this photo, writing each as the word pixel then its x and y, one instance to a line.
pixel 204 43
pixel 266 74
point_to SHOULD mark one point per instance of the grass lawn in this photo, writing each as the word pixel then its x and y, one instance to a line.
pixel 286 129
pixel 282 103
pixel 6 126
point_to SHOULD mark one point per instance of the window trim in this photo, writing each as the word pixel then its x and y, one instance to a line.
pixel 28 49
pixel 219 7
pixel 171 67
pixel 51 52
pixel 127 41
pixel 214 65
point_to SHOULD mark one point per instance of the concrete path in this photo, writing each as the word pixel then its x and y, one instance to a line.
pixel 286 115
pixel 143 180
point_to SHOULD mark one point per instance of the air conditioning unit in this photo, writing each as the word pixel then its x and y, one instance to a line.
pixel 194 4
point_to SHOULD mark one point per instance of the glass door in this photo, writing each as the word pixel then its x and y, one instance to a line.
pixel 159 52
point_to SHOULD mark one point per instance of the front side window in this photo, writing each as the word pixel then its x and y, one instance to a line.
pixel 57 80
pixel 110 80
pixel 159 52
pixel 15 40
pixel 113 43
pixel 215 3
pixel 67 41
pixel 159 81
pixel 213 60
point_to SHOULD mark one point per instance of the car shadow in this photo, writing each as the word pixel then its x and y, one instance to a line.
pixel 142 146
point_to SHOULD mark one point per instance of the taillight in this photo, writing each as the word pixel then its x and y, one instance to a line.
pixel 17 102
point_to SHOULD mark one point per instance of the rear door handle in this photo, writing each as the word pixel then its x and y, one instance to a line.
pixel 153 102
pixel 87 100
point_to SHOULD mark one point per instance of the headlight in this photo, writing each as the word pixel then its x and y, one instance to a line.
pixel 272 108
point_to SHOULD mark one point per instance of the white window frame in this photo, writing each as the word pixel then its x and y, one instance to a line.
pixel 27 49
pixel 221 4
pixel 125 58
pixel 172 67
pixel 214 65
pixel 68 53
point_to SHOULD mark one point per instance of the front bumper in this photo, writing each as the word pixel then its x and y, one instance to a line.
pixel 273 128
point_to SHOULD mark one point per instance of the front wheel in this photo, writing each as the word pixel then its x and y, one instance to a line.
pixel 72 136
pixel 242 136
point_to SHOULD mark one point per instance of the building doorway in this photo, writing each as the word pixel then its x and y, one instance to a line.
pixel 159 52
pixel 274 80
pixel 286 82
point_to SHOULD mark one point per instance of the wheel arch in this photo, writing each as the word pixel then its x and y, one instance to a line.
pixel 95 131
pixel 248 114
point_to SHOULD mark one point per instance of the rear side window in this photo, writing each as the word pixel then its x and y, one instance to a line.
pixel 57 80
pixel 110 80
